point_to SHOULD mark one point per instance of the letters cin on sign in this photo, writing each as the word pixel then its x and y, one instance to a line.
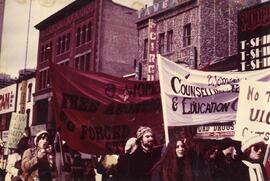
pixel 254 37
pixel 152 38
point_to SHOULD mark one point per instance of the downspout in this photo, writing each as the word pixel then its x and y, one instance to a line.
pixel 99 28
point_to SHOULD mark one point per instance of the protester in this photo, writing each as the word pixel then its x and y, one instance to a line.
pixel 77 168
pixel 123 165
pixel 89 172
pixel 254 150
pixel 174 164
pixel 107 167
pixel 2 161
pixel 226 162
pixel 38 162
pixel 13 167
pixel 145 156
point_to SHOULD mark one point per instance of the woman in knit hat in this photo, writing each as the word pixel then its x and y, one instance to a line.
pixel 38 162
pixel 253 149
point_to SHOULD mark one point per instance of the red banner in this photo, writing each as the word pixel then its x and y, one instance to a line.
pixel 96 113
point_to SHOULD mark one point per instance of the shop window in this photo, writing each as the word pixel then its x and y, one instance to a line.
pixel 187 35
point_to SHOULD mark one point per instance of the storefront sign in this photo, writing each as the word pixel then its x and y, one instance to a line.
pixel 7 99
pixel 152 48
pixel 215 131
pixel 160 6
pixel 254 37
pixel 23 96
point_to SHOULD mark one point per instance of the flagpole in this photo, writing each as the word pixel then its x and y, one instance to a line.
pixel 163 101
pixel 27 35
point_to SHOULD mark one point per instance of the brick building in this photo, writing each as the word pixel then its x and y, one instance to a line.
pixel 193 32
pixel 88 35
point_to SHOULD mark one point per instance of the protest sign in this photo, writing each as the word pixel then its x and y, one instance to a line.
pixel 193 97
pixel 253 115
pixel 16 129
pixel 96 113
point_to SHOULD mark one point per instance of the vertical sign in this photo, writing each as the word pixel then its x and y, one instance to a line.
pixel 152 49
pixel 254 37
pixel 16 129
pixel 23 96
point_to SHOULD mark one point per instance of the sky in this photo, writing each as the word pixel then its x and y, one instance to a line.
pixel 14 38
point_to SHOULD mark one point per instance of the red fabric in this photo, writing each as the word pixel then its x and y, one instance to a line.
pixel 97 113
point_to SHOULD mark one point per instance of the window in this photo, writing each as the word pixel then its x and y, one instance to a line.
pixel 169 41
pixel 78 35
pixel 29 92
pixel 145 48
pixel 63 43
pixel 58 45
pixel 68 41
pixel 84 34
pixel 89 32
pixel 44 79
pixel 83 62
pixel 46 52
pixel 161 43
pixel 187 35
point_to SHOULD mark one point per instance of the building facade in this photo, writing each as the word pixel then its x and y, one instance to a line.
pixel 87 35
pixel 18 98
pixel 194 32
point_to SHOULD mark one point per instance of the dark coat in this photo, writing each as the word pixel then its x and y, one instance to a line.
pixel 141 164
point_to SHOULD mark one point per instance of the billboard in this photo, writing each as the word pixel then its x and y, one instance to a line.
pixel 7 99
pixel 254 37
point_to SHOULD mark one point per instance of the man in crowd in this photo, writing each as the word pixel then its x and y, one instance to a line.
pixel 38 162
pixel 145 156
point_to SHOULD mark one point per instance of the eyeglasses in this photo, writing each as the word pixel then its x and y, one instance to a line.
pixel 258 147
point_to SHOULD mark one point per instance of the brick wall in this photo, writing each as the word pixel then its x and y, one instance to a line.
pixel 119 41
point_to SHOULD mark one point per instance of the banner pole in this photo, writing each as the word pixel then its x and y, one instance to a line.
pixel 266 155
pixel 161 83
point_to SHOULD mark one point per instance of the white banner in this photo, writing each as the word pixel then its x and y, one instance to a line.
pixel 7 99
pixel 253 115
pixel 193 97
pixel 16 129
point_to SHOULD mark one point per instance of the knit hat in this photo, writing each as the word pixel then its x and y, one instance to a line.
pixel 251 141
pixel 39 135
pixel 142 130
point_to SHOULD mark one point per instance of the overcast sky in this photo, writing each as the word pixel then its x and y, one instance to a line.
pixel 15 30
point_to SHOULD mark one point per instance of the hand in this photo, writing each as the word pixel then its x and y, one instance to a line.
pixel 41 154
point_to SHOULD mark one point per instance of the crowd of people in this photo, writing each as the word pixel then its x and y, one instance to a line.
pixel 182 159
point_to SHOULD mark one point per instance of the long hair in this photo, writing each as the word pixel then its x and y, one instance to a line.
pixel 169 170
